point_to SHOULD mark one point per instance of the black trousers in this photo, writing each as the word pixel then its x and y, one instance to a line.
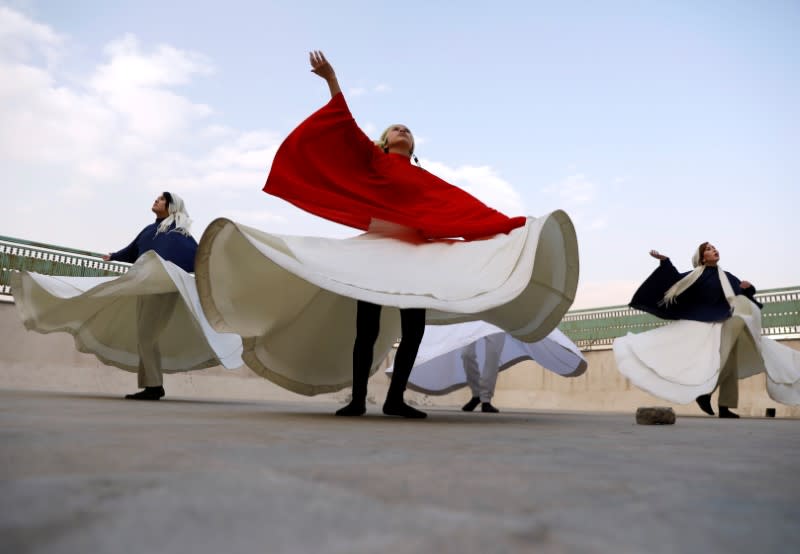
pixel 368 320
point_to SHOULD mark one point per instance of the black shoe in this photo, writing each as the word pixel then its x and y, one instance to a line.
pixel 352 410
pixel 149 393
pixel 704 401
pixel 725 413
pixel 402 409
pixel 472 404
pixel 487 407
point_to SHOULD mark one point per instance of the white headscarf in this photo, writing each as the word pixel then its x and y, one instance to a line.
pixel 178 215
pixel 678 288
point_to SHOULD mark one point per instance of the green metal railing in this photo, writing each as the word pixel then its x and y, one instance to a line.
pixel 589 329
pixel 25 255
pixel 597 328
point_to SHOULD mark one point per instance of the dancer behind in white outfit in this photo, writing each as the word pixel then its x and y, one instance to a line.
pixel 482 384
pixel 474 352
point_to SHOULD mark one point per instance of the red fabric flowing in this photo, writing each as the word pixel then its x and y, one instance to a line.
pixel 327 166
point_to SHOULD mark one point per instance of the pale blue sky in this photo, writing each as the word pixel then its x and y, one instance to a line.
pixel 653 124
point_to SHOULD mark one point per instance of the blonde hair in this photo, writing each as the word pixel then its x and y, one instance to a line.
pixel 381 142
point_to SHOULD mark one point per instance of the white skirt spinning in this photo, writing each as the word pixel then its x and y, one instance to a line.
pixel 100 313
pixel 293 299
pixel 681 360
pixel 439 368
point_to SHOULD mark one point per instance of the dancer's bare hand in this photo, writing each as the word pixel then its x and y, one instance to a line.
pixel 106 257
pixel 657 255
pixel 324 69
pixel 745 284
pixel 320 65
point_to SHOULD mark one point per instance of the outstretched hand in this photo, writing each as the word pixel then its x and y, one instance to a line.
pixel 745 284
pixel 320 65
pixel 106 257
pixel 324 69
pixel 657 255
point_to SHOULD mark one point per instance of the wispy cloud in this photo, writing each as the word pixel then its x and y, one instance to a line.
pixel 381 88
pixel 574 189
pixel 120 128
pixel 580 197
pixel 125 112
pixel 483 182
pixel 22 39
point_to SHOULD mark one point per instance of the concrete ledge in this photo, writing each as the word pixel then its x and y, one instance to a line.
pixel 31 361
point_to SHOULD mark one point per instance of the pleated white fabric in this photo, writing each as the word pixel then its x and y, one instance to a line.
pixel 439 368
pixel 681 360
pixel 783 372
pixel 293 299
pixel 100 313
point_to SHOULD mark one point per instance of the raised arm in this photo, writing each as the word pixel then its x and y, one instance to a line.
pixel 324 69
pixel 665 266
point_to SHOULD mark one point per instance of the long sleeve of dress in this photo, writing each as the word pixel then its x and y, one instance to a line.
pixel 128 254
pixel 650 294
pixel 749 292
pixel 704 300
pixel 327 166
pixel 171 245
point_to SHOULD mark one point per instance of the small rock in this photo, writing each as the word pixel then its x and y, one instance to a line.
pixel 655 416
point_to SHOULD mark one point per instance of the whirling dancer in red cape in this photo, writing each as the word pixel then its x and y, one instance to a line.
pixel 329 167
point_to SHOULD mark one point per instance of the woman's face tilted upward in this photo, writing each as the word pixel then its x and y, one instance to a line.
pixel 710 255
pixel 160 207
pixel 397 139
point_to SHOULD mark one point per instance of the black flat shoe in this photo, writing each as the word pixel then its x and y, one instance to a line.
pixel 149 393
pixel 488 408
pixel 353 409
pixel 471 405
pixel 725 413
pixel 704 401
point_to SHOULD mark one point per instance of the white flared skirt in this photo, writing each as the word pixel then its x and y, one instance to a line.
pixel 100 313
pixel 681 360
pixel 439 368
pixel 293 299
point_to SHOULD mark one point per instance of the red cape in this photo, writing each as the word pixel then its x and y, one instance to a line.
pixel 327 166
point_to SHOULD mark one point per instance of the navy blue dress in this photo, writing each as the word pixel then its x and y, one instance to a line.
pixel 703 301
pixel 171 245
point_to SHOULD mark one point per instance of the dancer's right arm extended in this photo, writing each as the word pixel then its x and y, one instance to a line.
pixel 324 69
pixel 128 254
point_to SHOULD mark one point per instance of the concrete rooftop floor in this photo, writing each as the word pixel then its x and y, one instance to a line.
pixel 94 474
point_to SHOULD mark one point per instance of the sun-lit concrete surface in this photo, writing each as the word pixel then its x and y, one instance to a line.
pixel 93 473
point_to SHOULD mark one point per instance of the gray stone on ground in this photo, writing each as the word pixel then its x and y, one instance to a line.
pixel 655 415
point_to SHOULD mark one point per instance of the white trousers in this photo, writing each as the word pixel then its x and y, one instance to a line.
pixel 152 315
pixel 482 383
